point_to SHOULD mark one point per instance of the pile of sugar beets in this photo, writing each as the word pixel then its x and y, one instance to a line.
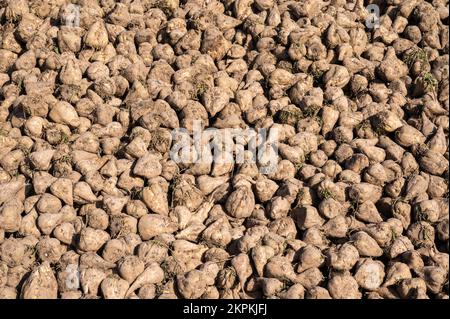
pixel 92 205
